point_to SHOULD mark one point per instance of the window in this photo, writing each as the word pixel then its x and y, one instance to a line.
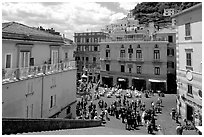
pixel 170 52
pixel 187 29
pixel 87 58
pixel 87 40
pixel 107 67
pixel 188 59
pixel 157 71
pixel 82 58
pixel 95 48
pixel 24 59
pixel 122 46
pixel 138 54
pixel 66 55
pixel 139 71
pixel 54 57
pixel 130 55
pixel 170 38
pixel 52 101
pixel 130 50
pixel 94 59
pixel 156 54
pixel 130 70
pixel 122 53
pixel 107 46
pixel 170 64
pixel 138 46
pixel 107 53
pixel 190 89
pixel 86 48
pixel 78 40
pixel 122 68
pixel 8 60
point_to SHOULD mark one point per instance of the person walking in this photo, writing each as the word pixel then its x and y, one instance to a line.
pixel 179 129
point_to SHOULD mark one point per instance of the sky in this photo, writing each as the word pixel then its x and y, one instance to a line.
pixel 66 17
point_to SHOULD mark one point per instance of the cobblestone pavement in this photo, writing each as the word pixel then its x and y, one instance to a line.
pixel 115 126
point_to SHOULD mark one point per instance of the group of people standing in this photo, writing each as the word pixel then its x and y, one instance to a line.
pixel 132 113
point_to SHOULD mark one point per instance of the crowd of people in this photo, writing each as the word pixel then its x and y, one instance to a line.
pixel 133 113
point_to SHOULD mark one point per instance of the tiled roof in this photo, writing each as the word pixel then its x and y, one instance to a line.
pixel 14 29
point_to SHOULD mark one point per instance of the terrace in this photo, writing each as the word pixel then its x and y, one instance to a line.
pixel 16 74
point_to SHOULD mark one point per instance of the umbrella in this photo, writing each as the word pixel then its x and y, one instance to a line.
pixel 84 76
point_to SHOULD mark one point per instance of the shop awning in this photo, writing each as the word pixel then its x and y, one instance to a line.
pixel 121 79
pixel 155 80
pixel 137 78
pixel 106 76
pixel 199 128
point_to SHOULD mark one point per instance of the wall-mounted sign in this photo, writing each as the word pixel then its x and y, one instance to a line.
pixel 189 75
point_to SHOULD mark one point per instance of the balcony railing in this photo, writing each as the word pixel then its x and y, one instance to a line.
pixel 10 75
pixel 131 59
pixel 133 39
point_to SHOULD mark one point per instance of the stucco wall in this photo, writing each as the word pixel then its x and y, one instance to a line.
pixel 9 47
pixel 15 100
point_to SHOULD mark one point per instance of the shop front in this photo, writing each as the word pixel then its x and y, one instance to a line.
pixel 107 80
pixel 122 82
pixel 139 84
pixel 158 85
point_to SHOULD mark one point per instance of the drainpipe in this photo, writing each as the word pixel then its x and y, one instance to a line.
pixel 42 94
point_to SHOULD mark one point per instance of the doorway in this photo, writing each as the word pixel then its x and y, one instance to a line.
pixel 189 112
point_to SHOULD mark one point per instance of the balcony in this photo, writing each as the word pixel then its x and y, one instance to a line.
pixel 135 60
pixel 157 61
pixel 11 75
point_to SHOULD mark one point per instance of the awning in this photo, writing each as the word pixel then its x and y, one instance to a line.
pixel 137 78
pixel 106 76
pixel 199 128
pixel 155 80
pixel 121 79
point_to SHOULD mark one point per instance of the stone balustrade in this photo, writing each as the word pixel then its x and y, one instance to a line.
pixel 21 125
pixel 9 75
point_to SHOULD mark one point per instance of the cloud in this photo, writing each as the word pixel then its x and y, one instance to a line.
pixel 117 16
pixel 128 5
pixel 66 18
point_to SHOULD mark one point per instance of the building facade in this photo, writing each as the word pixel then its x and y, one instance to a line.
pixel 87 54
pixel 189 63
pixel 38 78
pixel 137 64
pixel 169 34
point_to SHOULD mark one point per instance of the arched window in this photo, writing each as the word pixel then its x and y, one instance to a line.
pixel 122 46
pixel 138 46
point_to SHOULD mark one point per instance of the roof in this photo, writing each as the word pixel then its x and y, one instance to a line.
pixel 166 30
pixel 14 30
pixel 187 10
